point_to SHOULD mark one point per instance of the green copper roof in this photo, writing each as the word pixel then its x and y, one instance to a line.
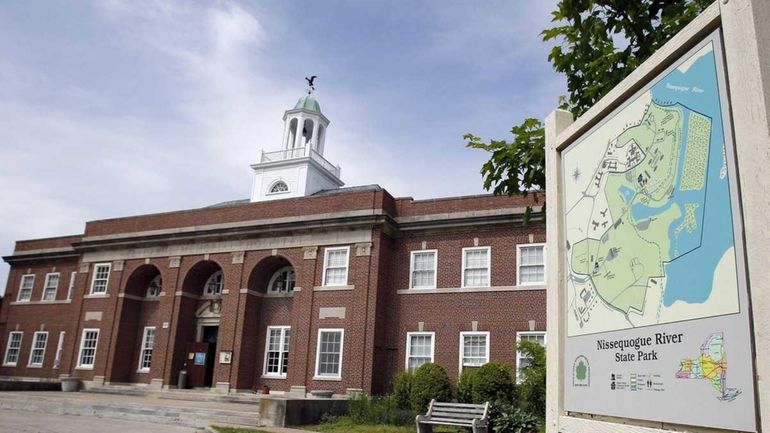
pixel 308 103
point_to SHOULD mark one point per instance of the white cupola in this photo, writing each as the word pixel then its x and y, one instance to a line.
pixel 299 169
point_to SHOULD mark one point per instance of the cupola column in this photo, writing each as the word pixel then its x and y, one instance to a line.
pixel 286 129
pixel 298 135
pixel 314 139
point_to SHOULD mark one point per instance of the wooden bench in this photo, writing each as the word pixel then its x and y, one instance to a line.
pixel 473 416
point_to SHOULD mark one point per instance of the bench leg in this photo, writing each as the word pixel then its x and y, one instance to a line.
pixel 478 427
pixel 422 428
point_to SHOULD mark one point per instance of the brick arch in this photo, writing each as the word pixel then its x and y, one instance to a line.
pixel 136 312
pixel 140 279
pixel 199 273
pixel 261 310
pixel 263 271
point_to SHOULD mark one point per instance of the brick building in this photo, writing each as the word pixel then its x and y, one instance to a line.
pixel 307 285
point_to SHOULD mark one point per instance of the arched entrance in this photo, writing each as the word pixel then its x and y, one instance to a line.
pixel 198 325
pixel 137 330
pixel 271 284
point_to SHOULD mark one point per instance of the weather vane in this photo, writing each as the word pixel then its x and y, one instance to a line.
pixel 310 85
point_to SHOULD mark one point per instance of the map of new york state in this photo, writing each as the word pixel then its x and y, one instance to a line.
pixel 648 212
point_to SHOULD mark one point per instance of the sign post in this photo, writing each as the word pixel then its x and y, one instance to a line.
pixel 657 233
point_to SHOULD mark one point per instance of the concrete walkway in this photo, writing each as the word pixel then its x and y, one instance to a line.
pixel 16 421
pixel 190 413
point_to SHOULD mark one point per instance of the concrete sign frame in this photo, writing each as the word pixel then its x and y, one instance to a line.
pixel 746 43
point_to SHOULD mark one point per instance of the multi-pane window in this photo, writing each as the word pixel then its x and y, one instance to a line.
pixel 73 278
pixel 474 349
pixel 522 360
pixel 87 354
pixel 59 350
pixel 214 284
pixel 336 266
pixel 423 269
pixel 283 281
pixel 13 348
pixel 155 286
pixel 419 349
pixel 279 187
pixel 37 354
pixel 329 353
pixel 476 267
pixel 101 277
pixel 277 351
pixel 145 355
pixel 25 288
pixel 531 261
pixel 50 287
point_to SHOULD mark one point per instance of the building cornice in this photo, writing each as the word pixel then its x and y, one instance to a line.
pixel 41 254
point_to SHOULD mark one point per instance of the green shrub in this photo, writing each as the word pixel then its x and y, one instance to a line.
pixel 493 382
pixel 531 391
pixel 465 385
pixel 430 381
pixel 366 409
pixel 402 389
pixel 507 418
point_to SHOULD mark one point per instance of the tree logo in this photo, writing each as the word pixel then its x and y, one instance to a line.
pixel 581 372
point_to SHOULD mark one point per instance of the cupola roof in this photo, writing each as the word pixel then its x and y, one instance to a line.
pixel 308 103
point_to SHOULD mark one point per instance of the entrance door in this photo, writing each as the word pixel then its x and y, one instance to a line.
pixel 210 337
pixel 200 358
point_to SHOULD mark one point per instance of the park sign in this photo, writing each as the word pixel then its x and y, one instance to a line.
pixel 654 306
pixel 652 318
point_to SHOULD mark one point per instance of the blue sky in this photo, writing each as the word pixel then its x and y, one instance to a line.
pixel 117 107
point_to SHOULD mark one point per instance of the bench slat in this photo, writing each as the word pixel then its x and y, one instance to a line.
pixel 443 414
pixel 458 410
pixel 440 404
pixel 445 421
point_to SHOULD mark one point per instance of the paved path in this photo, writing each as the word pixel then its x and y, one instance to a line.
pixel 12 421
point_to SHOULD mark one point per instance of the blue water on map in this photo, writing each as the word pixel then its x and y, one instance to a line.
pixel 695 256
pixel 628 193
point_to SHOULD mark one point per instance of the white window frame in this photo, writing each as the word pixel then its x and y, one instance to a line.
pixel 274 278
pixel 73 280
pixel 318 354
pixel 462 348
pixel 48 277
pixel 106 279
pixel 7 363
pixel 141 368
pixel 221 284
pixel 155 284
pixel 282 342
pixel 518 264
pixel 408 350
pixel 347 264
pixel 411 268
pixel 59 350
pixel 519 356
pixel 80 365
pixel 32 350
pixel 489 265
pixel 31 288
pixel 274 184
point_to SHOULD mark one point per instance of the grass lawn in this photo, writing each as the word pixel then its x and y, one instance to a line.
pixel 344 425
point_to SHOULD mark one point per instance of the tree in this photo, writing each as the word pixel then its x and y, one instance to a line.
pixel 600 43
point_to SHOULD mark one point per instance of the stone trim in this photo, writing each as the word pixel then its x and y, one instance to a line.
pixel 469 290
pixel 56 302
pixel 332 288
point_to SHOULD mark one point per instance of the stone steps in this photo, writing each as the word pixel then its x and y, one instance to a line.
pixel 188 395
pixel 147 410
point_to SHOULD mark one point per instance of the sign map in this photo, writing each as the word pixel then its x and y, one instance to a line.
pixel 656 301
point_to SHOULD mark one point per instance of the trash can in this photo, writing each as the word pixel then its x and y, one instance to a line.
pixel 182 382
